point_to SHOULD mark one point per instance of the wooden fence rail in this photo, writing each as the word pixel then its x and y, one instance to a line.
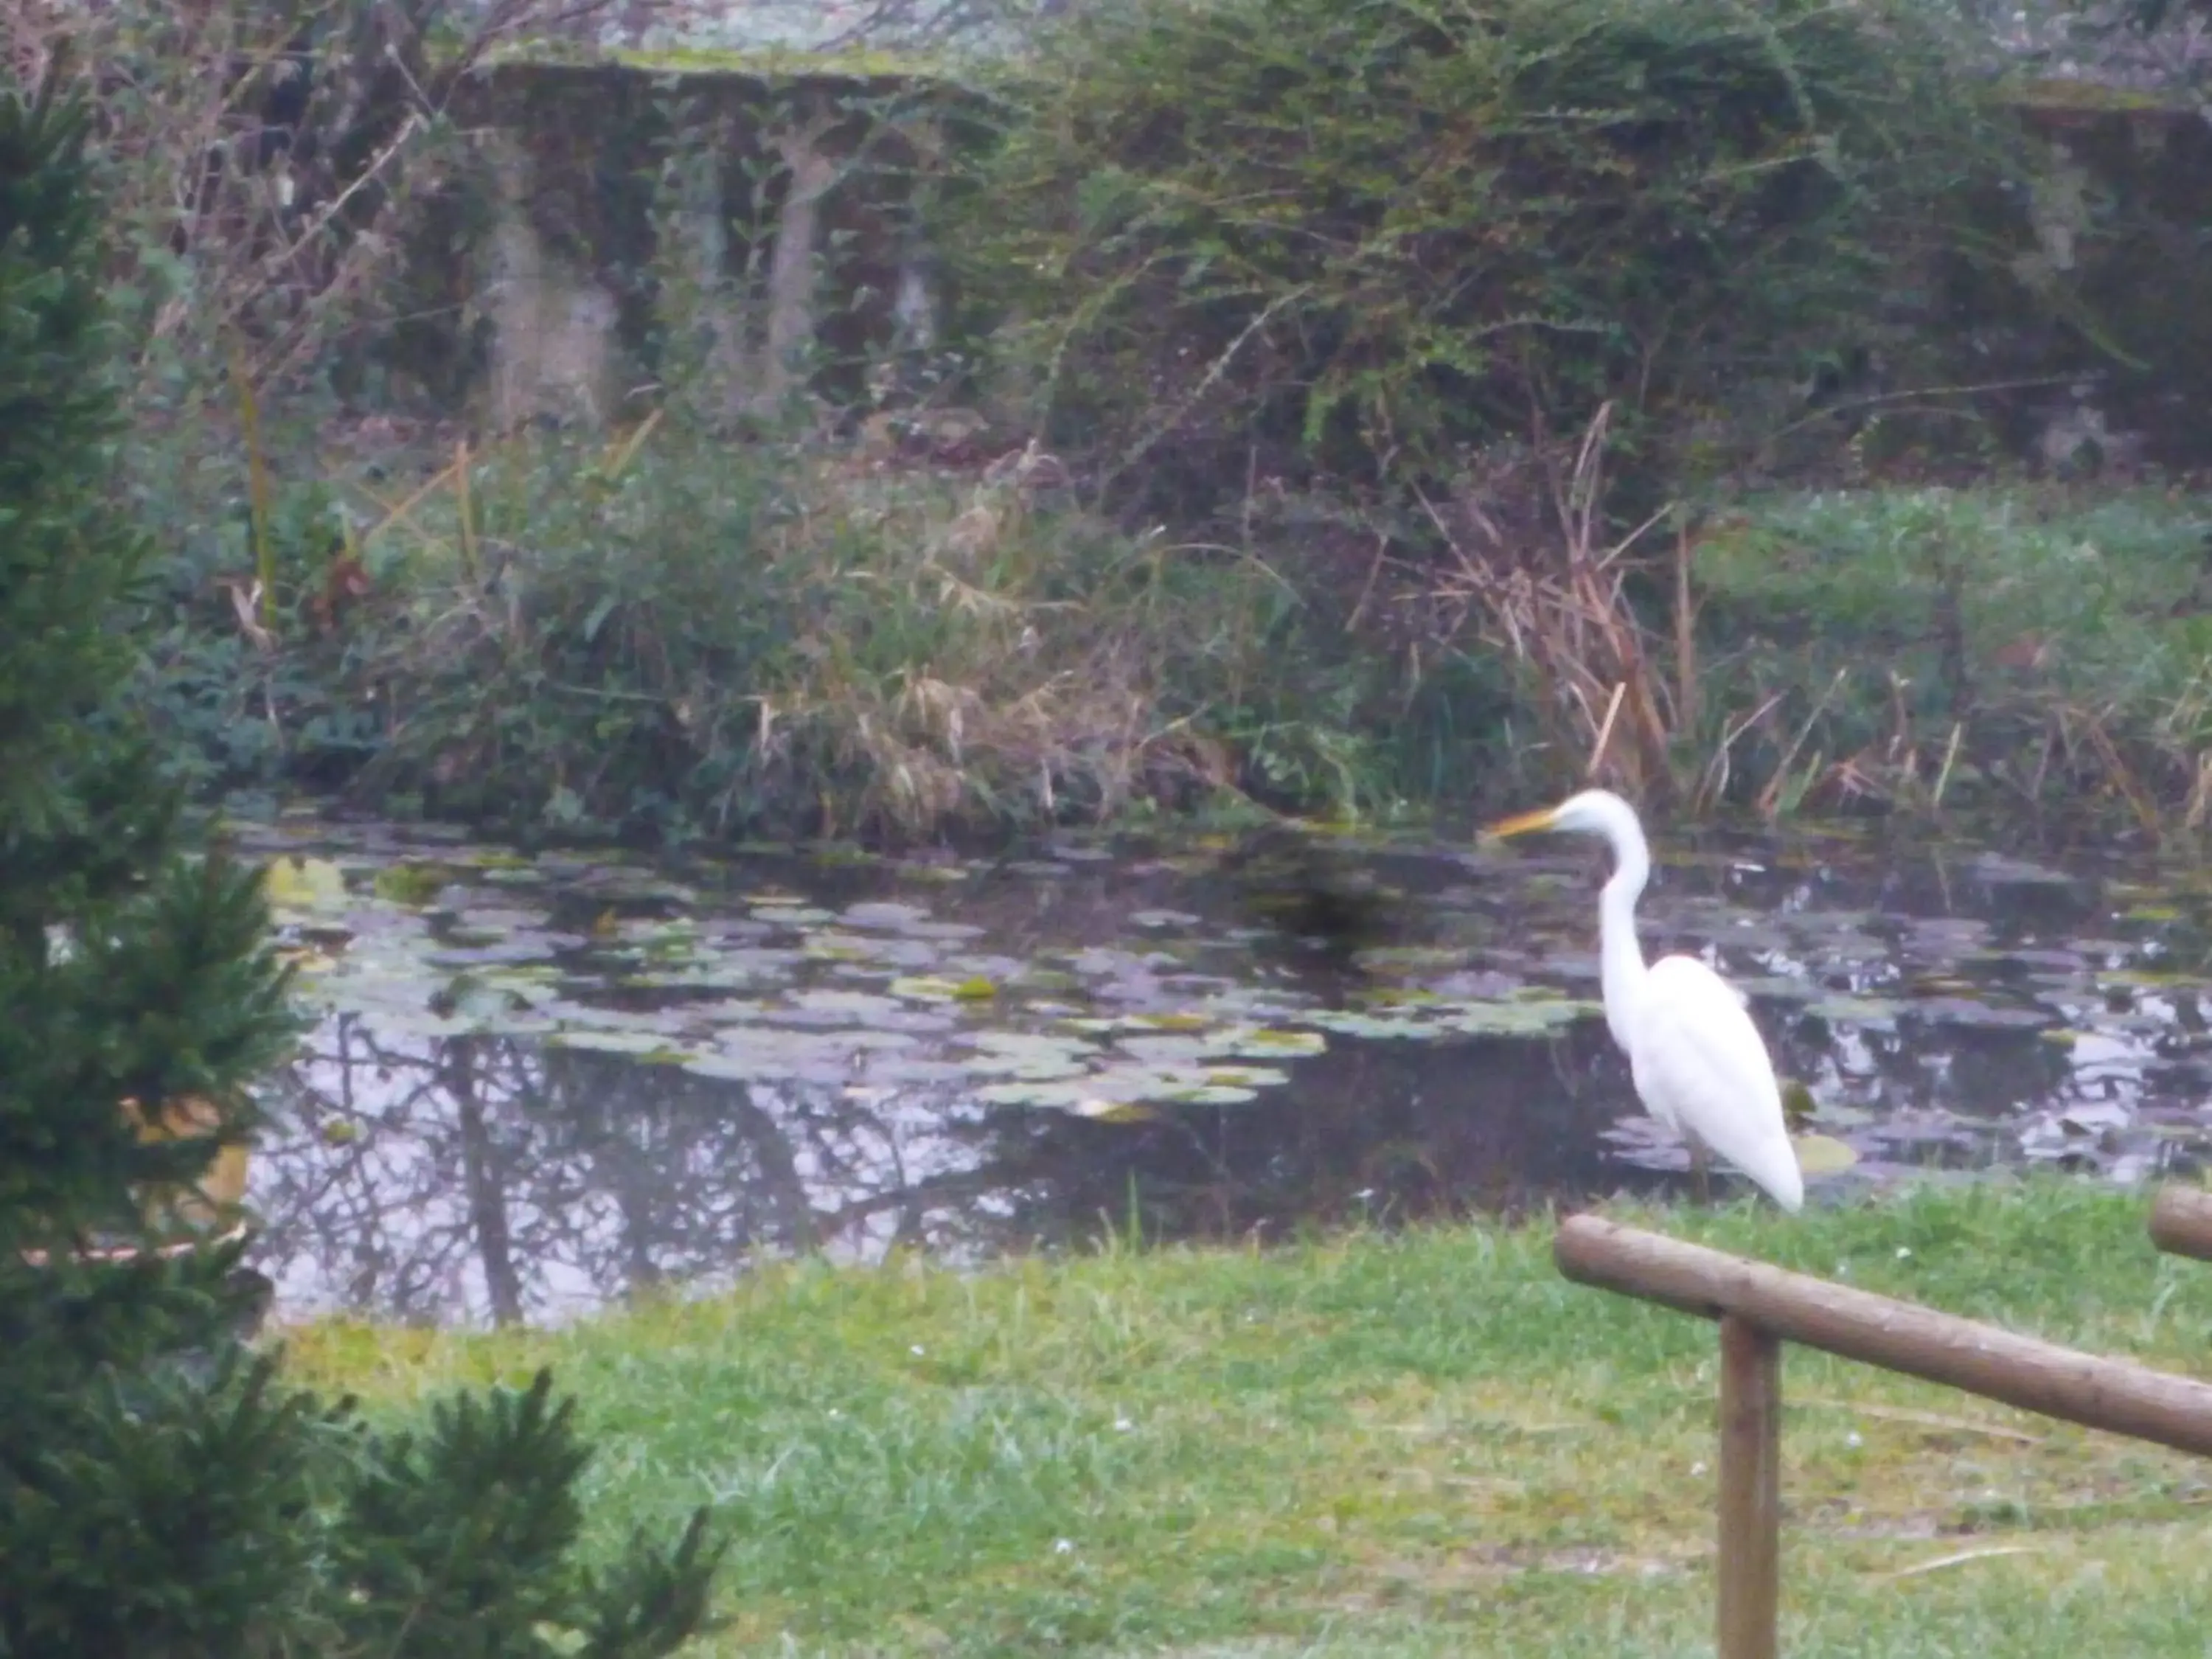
pixel 2181 1221
pixel 1761 1307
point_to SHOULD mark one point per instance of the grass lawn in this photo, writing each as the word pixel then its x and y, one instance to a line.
pixel 1426 1444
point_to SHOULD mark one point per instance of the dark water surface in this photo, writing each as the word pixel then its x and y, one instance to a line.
pixel 543 1084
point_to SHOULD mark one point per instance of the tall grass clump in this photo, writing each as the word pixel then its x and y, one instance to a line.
pixel 1298 239
pixel 2002 646
pixel 667 633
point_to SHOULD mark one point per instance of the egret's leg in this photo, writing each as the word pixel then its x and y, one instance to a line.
pixel 1700 1169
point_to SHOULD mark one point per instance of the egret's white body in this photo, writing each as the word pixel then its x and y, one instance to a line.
pixel 1700 1067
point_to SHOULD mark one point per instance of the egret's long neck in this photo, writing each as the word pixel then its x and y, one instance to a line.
pixel 1620 958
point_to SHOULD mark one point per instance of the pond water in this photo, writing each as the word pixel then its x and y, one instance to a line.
pixel 542 1084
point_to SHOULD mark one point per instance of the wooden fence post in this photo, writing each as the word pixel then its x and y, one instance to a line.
pixel 1749 1566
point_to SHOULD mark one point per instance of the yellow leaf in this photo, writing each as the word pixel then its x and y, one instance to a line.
pixel 303 884
pixel 1114 1111
pixel 1819 1155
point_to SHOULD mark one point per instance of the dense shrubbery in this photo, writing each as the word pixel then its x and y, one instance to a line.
pixel 675 636
pixel 1300 237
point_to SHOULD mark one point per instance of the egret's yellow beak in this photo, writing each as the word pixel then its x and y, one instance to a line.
pixel 1525 824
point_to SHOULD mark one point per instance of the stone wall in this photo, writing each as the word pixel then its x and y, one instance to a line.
pixel 625 229
pixel 2107 295
pixel 747 233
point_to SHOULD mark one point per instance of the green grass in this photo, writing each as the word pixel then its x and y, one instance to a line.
pixel 2003 642
pixel 1425 1443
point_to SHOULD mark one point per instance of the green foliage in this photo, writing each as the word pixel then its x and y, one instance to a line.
pixel 1298 235
pixel 162 1505
pixel 2064 638
pixel 211 1510
pixel 423 1562
pixel 129 970
pixel 679 635
pixel 462 1542
pixel 162 1491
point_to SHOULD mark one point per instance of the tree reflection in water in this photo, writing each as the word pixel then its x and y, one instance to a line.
pixel 1938 1021
pixel 481 1177
pixel 473 1178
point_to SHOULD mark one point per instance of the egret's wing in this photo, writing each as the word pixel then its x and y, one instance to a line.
pixel 1700 1064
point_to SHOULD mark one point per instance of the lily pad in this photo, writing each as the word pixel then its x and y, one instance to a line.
pixel 651 1047
pixel 1518 1018
pixel 1822 1155
pixel 1114 1111
pixel 304 885
pixel 1871 1011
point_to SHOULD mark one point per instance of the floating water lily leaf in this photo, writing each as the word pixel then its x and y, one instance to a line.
pixel 728 974
pixel 306 960
pixel 1822 1155
pixel 947 873
pixel 412 884
pixel 894 917
pixel 1156 919
pixel 1164 1049
pixel 1965 1010
pixel 2154 913
pixel 926 988
pixel 307 884
pixel 1775 987
pixel 475 1000
pixel 774 1054
pixel 1182 1021
pixel 784 915
pixel 1049 981
pixel 1211 1094
pixel 648 1046
pixel 1407 958
pixel 839 947
pixel 1028 1054
pixel 856 1006
pixel 1087 1093
pixel 1349 1024
pixel 1244 1076
pixel 1269 1039
pixel 2146 979
pixel 1401 996
pixel 1114 1111
pixel 1854 1011
pixel 1517 1018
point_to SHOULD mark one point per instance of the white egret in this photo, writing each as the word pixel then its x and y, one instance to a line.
pixel 1699 1064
